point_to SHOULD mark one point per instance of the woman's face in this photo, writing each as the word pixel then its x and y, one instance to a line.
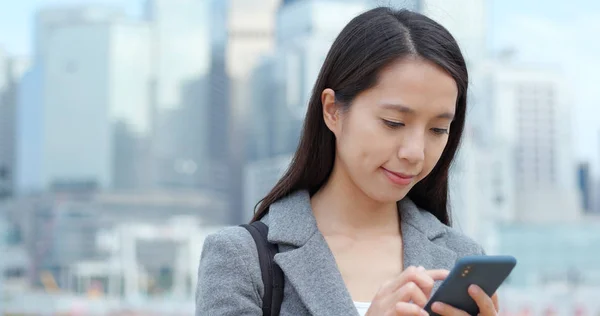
pixel 394 133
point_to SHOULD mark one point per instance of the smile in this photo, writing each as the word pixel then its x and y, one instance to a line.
pixel 398 178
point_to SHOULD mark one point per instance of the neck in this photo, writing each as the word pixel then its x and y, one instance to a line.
pixel 340 207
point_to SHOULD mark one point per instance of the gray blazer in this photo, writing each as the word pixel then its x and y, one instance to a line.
pixel 229 279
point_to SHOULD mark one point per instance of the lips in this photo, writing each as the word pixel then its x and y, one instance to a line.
pixel 398 178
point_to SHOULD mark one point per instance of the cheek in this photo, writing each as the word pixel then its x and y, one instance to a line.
pixel 433 154
pixel 362 145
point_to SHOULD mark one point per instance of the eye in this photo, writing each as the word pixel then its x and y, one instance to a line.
pixel 439 131
pixel 392 124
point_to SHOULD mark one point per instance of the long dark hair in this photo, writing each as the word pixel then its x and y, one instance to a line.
pixel 370 42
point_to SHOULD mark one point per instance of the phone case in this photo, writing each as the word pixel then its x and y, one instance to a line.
pixel 488 272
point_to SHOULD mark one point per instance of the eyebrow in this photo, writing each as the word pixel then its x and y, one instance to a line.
pixel 407 110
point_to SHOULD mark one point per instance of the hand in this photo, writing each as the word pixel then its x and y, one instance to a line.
pixel 488 306
pixel 412 285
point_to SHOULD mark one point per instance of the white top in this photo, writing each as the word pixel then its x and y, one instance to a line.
pixel 362 307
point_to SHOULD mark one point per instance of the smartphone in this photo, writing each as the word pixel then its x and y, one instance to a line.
pixel 487 272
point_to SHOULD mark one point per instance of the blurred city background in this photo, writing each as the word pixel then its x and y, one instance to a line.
pixel 129 130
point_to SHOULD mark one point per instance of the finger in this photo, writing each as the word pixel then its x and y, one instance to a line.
pixel 438 275
pixel 484 302
pixel 395 283
pixel 423 280
pixel 447 310
pixel 409 309
pixel 411 274
pixel 412 292
pixel 495 301
pixel 409 292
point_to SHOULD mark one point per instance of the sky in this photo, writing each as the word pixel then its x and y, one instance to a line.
pixel 552 33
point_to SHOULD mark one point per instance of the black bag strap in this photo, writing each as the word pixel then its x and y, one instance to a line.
pixel 272 276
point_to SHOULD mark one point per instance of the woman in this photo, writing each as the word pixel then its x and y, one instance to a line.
pixel 364 201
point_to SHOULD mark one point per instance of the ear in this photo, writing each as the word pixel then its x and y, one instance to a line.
pixel 331 113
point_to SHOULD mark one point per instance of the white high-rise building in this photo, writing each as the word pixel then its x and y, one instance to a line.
pixel 250 36
pixel 470 191
pixel 251 26
pixel 46 19
pixel 95 73
pixel 531 123
pixel 181 50
pixel 190 99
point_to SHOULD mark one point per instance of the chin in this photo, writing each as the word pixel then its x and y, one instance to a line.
pixel 388 195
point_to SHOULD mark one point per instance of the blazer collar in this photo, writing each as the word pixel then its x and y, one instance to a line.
pixel 292 222
pixel 309 264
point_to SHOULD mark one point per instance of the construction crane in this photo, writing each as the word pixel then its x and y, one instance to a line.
pixel 49 282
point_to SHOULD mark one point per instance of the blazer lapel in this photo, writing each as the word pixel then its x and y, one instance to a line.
pixel 420 231
pixel 420 251
pixel 312 271
pixel 305 257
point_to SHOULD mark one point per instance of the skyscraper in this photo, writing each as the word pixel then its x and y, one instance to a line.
pixel 585 186
pixel 250 36
pixel 6 131
pixel 29 132
pixel 11 73
pixel 191 95
pixel 94 72
pixel 532 121
pixel 181 46
pixel 264 114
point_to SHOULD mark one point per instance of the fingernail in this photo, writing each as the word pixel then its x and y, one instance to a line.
pixel 421 268
pixel 437 307
pixel 424 313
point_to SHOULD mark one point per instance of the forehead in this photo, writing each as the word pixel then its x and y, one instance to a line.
pixel 415 83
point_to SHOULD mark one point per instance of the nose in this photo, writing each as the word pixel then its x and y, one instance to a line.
pixel 412 147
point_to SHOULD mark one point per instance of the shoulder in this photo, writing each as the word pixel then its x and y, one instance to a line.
pixel 235 239
pixel 233 242
pixel 228 281
pixel 230 243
